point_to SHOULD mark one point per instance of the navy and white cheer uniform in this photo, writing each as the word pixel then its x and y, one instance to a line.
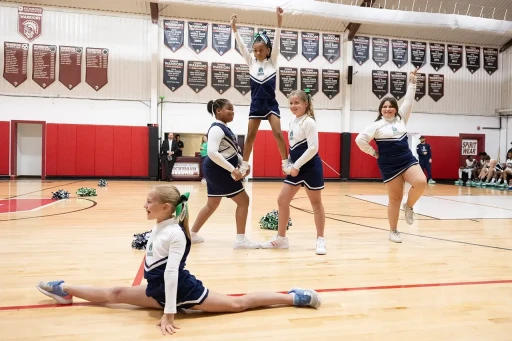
pixel 303 137
pixel 223 157
pixel 509 164
pixel 395 156
pixel 263 79
pixel 164 269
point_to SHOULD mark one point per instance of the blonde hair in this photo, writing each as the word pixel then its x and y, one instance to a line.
pixel 306 97
pixel 168 194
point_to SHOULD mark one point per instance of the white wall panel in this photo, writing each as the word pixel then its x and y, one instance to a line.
pixel 464 93
pixel 127 39
pixel 209 55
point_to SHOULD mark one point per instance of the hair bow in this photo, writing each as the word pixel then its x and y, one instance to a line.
pixel 183 199
pixel 263 36
pixel 308 91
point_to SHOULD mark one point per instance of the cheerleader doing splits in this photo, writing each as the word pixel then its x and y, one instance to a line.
pixel 222 175
pixel 305 170
pixel 170 287
pixel 396 162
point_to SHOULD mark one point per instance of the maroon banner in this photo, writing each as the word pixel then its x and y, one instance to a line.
pixel 70 66
pixel 43 64
pixel 30 22
pixel 15 62
pixel 96 74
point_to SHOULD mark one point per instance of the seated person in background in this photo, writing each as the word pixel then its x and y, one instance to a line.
pixel 506 174
pixel 468 168
pixel 487 172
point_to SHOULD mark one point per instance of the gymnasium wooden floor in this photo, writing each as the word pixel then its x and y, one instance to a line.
pixel 450 279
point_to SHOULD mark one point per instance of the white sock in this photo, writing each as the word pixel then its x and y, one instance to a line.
pixel 240 238
pixel 320 238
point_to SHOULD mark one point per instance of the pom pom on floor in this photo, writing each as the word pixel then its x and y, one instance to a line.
pixel 140 240
pixel 86 192
pixel 270 221
pixel 102 183
pixel 60 194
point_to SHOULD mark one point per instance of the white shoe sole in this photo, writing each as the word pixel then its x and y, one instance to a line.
pixel 57 298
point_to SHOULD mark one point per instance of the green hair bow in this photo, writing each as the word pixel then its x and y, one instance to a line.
pixel 183 202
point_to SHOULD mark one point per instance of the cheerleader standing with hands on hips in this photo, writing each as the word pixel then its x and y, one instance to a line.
pixel 396 162
pixel 222 175
pixel 305 169
pixel 170 287
pixel 263 73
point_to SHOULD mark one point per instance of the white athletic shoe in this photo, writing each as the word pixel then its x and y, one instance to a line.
pixel 394 236
pixel 195 238
pixel 276 243
pixel 321 248
pixel 246 244
pixel 409 214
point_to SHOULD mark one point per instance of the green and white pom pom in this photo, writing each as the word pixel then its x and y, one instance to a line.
pixel 60 194
pixel 86 192
pixel 270 221
pixel 102 183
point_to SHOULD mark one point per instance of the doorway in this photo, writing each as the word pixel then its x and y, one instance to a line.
pixel 28 141
pixel 470 144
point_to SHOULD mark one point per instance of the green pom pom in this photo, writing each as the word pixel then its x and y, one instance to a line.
pixel 86 192
pixel 270 221
pixel 102 183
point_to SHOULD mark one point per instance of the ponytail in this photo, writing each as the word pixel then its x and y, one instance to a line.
pixel 212 106
pixel 182 213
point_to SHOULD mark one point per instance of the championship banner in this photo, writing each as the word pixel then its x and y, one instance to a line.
pixel 15 62
pixel 30 22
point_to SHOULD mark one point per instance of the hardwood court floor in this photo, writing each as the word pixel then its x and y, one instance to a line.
pixel 450 279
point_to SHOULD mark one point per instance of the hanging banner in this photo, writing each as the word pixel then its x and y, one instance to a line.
pixel 15 63
pixel 221 38
pixel 380 51
pixel 331 46
pixel 198 36
pixel 70 66
pixel 43 64
pixel 96 71
pixel 197 75
pixel 490 60
pixel 242 78
pixel 437 55
pixel 454 57
pixel 30 21
pixel 421 86
pixel 361 49
pixel 247 35
pixel 173 73
pixel 289 44
pixel 418 54
pixel 309 80
pixel 310 45
pixel 221 77
pixel 330 83
pixel 174 34
pixel 436 86
pixel 380 83
pixel 399 51
pixel 287 80
pixel 398 84
pixel 473 58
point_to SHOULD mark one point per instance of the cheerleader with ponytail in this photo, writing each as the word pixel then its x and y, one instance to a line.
pixel 305 170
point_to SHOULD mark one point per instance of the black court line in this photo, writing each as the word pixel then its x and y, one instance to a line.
pixel 44 189
pixel 406 233
pixel 376 203
pixel 472 203
pixel 94 203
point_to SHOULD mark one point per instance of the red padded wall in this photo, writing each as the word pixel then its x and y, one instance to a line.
pixel 5 136
pixel 140 151
pixel 258 155
pixel 445 156
pixel 329 150
pixel 52 133
pixel 86 149
pixel 95 150
pixel 66 149
pixel 362 165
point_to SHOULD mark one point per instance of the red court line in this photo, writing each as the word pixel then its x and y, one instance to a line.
pixel 140 274
pixel 378 287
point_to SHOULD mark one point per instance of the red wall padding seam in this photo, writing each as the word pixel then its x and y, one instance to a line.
pixel 5 136
pixel 96 150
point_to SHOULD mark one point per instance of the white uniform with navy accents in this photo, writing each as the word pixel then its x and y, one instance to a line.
pixel 303 138
pixel 164 268
pixel 395 156
pixel 263 79
pixel 223 157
